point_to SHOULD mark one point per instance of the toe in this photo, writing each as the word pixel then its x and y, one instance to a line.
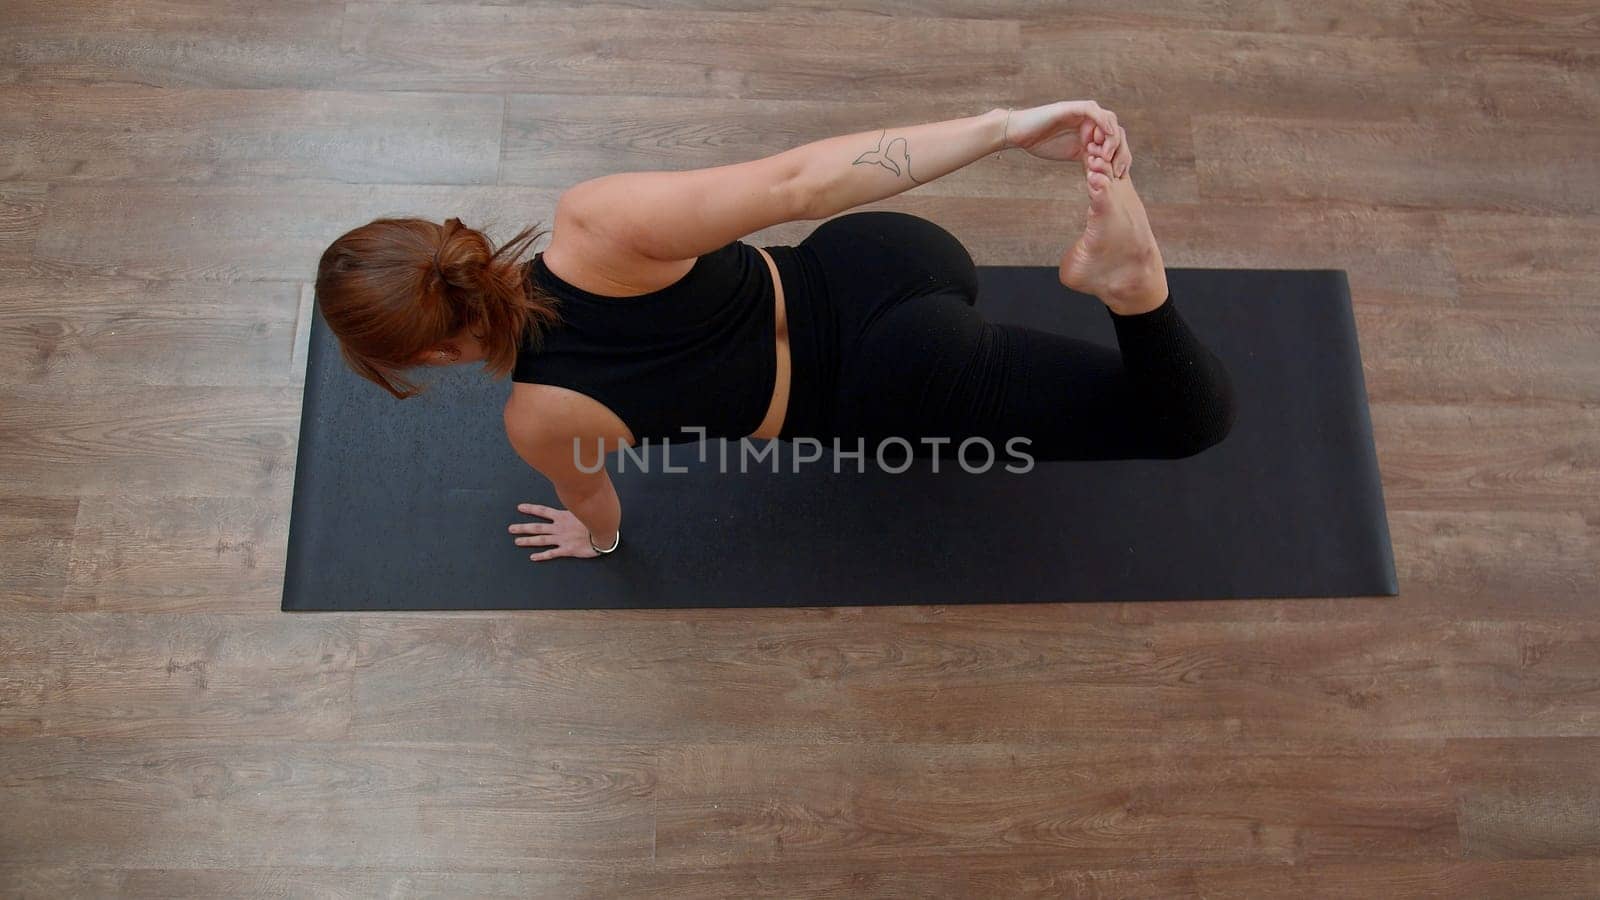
pixel 1099 199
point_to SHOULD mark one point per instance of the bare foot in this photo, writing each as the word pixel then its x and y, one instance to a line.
pixel 1116 258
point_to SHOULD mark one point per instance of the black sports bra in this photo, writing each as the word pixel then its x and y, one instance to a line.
pixel 700 352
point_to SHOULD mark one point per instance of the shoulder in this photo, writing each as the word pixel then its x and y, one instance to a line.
pixel 582 254
pixel 542 419
pixel 552 439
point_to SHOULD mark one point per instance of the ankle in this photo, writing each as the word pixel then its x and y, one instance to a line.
pixel 1140 296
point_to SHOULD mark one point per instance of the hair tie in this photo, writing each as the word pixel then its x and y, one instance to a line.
pixel 451 226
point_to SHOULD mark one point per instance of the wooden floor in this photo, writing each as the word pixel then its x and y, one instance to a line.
pixel 171 169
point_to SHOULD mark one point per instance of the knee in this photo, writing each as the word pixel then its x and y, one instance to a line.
pixel 1206 431
pixel 1215 434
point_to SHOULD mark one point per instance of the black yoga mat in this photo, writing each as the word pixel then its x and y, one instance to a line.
pixel 405 504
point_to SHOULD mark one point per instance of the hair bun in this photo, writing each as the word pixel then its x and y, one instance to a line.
pixel 462 258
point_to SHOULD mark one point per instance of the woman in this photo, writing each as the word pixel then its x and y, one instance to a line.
pixel 647 316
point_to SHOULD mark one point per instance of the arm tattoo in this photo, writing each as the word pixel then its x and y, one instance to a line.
pixel 895 158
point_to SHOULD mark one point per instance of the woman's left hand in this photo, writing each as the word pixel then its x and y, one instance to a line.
pixel 1064 130
pixel 564 534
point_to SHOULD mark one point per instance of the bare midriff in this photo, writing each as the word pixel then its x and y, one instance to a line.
pixel 773 423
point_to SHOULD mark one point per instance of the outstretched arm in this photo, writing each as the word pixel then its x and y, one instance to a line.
pixel 674 215
pixel 844 172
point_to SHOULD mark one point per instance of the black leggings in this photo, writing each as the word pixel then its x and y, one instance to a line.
pixel 886 341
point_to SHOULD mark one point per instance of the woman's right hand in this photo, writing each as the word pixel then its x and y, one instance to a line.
pixel 1066 130
pixel 565 534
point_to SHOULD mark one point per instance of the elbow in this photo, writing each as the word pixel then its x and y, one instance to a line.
pixel 579 493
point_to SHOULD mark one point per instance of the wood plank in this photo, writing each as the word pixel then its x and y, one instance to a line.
pixel 722 804
pixel 1551 79
pixel 207 802
pixel 1488 456
pixel 1523 262
pixel 1208 73
pixel 1527 799
pixel 1499 355
pixel 98 331
pixel 1497 166
pixel 1391 256
pixel 100 675
pixel 1571 878
pixel 36 533
pixel 1505 565
pixel 1534 19
pixel 178 554
pixel 654 675
pixel 764 54
pixel 1489 879
pixel 1541 20
pixel 174 43
pixel 1546 17
pixel 21 210
pixel 1523 680
pixel 72 133
pixel 550 142
pixel 183 441
pixel 29 671
pixel 692 678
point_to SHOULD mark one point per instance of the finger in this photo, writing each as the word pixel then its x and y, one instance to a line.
pixel 536 509
pixel 1085 137
pixel 544 555
pixel 1105 122
pixel 531 528
pixel 1113 132
pixel 1124 157
pixel 542 540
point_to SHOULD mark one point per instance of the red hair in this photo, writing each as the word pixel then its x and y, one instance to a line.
pixel 394 288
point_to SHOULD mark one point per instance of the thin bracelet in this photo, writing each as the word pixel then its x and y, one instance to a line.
pixel 613 543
